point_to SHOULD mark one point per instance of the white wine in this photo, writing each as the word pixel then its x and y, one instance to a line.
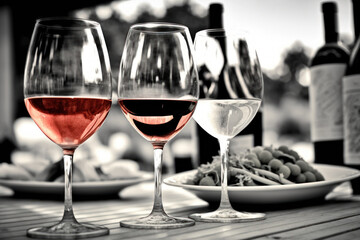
pixel 225 118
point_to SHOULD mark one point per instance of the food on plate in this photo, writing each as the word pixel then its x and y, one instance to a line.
pixel 51 172
pixel 259 166
pixel 83 170
pixel 33 163
pixel 11 171
pixel 120 169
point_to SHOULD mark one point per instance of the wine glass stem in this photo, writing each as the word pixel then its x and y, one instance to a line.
pixel 68 210
pixel 224 201
pixel 158 206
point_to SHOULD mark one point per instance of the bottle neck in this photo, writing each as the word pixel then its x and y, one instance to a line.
pixel 216 15
pixel 215 20
pixel 356 16
pixel 331 27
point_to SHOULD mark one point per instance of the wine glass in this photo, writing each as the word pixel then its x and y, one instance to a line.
pixel 233 88
pixel 158 91
pixel 67 91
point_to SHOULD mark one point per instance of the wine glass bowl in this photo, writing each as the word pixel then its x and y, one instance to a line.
pixel 231 56
pixel 157 92
pixel 67 91
pixel 231 96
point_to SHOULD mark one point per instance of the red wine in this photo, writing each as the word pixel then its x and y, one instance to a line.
pixel 351 103
pixel 207 146
pixel 68 121
pixel 327 69
pixel 157 120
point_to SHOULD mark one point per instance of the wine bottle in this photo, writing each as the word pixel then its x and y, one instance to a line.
pixel 351 103
pixel 206 145
pixel 327 70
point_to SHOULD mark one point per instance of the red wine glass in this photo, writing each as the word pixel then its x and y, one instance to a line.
pixel 67 90
pixel 158 91
pixel 229 56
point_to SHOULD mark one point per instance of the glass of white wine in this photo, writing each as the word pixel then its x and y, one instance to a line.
pixel 227 56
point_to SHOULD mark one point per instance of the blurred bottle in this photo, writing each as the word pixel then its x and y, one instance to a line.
pixel 327 69
pixel 206 145
pixel 8 147
pixel 351 103
pixel 181 151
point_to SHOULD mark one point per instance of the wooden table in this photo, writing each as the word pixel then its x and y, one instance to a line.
pixel 336 218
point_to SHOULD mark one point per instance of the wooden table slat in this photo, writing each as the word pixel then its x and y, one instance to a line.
pixel 322 230
pixel 351 235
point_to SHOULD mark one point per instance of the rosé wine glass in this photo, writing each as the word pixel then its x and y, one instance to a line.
pixel 67 91
pixel 158 91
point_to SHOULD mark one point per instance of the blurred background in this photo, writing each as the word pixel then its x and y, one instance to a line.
pixel 287 34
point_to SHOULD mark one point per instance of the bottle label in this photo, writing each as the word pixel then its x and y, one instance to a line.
pixel 240 143
pixel 326 102
pixel 351 110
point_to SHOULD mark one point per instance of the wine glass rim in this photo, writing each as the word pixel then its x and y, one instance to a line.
pixel 223 32
pixel 63 23
pixel 159 27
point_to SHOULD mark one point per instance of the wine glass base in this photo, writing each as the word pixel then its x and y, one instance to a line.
pixel 227 216
pixel 67 230
pixel 157 222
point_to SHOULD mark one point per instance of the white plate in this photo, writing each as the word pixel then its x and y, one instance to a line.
pixel 275 194
pixel 98 188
